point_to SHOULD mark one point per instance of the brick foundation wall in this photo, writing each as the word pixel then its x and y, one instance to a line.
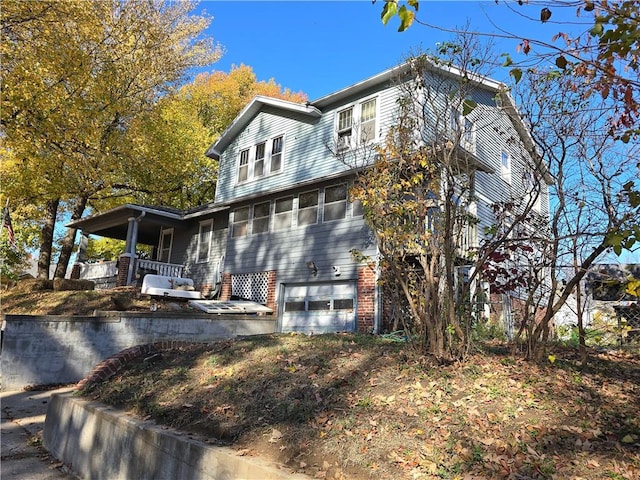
pixel 271 291
pixel 366 287
pixel 123 270
pixel 225 288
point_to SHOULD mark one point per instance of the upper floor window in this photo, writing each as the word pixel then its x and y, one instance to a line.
pixel 368 121
pixel 308 208
pixel 357 208
pixel 463 126
pixel 276 155
pixel 505 166
pixel 283 213
pixel 240 225
pixel 532 190
pixel 261 160
pixel 335 202
pixel 345 125
pixel 261 213
pixel 243 169
pixel 255 219
pixel 469 134
pixel 362 119
pixel 204 240
pixel 258 164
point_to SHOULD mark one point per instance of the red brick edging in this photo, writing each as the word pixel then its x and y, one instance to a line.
pixel 113 364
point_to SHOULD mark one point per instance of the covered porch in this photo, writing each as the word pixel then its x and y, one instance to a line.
pixel 135 224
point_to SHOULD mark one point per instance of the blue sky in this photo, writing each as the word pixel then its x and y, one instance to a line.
pixel 319 47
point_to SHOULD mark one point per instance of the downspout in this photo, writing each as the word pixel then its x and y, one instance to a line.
pixel 133 241
pixel 377 297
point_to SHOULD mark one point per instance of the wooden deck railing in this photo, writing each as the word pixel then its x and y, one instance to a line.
pixel 160 268
pixel 105 273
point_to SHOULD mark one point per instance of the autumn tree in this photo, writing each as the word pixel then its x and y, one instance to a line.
pixel 170 140
pixel 418 193
pixel 75 76
pixel 592 174
pixel 602 60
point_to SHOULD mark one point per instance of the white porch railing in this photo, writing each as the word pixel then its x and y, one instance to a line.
pixel 90 271
pixel 161 268
pixel 103 274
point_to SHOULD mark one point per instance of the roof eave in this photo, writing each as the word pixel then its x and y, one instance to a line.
pixel 252 109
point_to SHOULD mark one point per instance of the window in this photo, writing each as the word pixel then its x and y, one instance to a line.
pixel 357 208
pixel 276 155
pixel 283 211
pixel 261 217
pixel 468 133
pixel 164 246
pixel 532 190
pixel 368 121
pixel 308 208
pixel 335 202
pixel 345 124
pixel 258 165
pixel 204 240
pixel 261 160
pixel 240 223
pixel 243 169
pixel 362 117
pixel 343 304
pixel 505 166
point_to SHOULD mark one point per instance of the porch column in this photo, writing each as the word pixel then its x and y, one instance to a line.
pixel 81 256
pixel 132 235
pixel 130 248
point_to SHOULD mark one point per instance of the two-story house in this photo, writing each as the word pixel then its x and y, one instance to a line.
pixel 282 228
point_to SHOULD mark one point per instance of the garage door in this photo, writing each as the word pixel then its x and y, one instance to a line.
pixel 319 308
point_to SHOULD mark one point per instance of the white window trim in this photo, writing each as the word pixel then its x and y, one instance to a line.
pixel 325 203
pixel 459 121
pixel 276 214
pixel 270 157
pixel 531 188
pixel 233 223
pixel 356 115
pixel 266 172
pixel 505 171
pixel 209 240
pixel 165 232
pixel 298 208
pixel 268 217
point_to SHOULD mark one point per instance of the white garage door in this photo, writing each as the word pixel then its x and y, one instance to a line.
pixel 319 308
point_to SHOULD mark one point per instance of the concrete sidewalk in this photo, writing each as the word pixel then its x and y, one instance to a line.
pixel 23 457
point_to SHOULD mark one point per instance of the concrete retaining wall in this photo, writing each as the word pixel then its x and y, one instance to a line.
pixel 49 349
pixel 100 442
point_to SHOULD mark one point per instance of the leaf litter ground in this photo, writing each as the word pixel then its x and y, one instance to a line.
pixel 356 407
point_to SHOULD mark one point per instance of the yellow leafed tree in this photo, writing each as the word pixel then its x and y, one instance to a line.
pixel 76 75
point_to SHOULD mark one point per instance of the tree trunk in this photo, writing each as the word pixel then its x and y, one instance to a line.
pixel 581 331
pixel 46 241
pixel 70 239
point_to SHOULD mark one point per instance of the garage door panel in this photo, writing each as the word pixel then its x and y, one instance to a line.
pixel 319 308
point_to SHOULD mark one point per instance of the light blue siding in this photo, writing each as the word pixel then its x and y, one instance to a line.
pixel 187 241
pixel 327 244
pixel 309 162
pixel 308 148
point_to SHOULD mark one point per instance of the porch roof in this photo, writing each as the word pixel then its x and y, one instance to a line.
pixel 114 223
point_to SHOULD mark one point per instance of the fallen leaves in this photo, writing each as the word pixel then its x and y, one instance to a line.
pixel 373 411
